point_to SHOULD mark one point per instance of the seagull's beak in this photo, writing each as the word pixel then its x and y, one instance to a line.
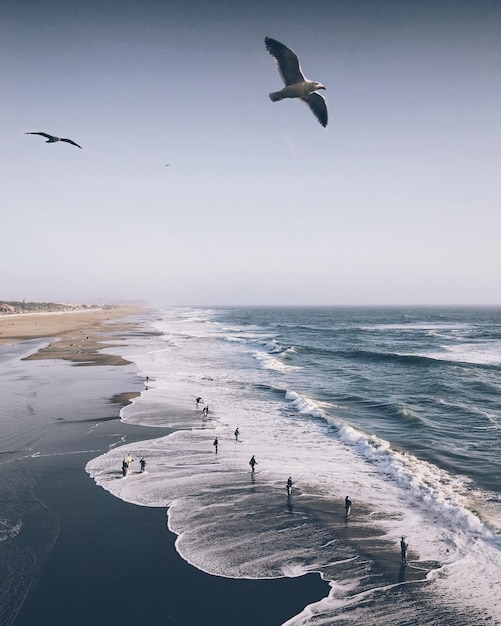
pixel 322 87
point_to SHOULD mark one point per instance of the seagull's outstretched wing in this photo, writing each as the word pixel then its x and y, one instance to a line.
pixel 72 143
pixel 54 139
pixel 49 137
pixel 317 104
pixel 287 61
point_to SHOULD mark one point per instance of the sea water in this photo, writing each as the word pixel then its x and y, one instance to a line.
pixel 398 408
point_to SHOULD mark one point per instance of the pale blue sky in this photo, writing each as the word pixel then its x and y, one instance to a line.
pixel 397 201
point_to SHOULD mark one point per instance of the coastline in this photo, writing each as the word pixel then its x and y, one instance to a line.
pixel 76 336
pixel 374 584
pixel 111 560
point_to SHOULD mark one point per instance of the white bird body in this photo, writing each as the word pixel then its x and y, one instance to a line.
pixel 296 90
pixel 296 85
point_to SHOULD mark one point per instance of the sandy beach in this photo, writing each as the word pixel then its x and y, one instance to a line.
pixel 76 336
pixel 91 557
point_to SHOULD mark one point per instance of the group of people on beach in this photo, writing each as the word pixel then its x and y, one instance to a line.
pixel 205 412
pixel 347 501
pixel 126 463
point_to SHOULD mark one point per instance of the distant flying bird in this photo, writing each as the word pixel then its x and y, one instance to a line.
pixel 52 139
pixel 296 85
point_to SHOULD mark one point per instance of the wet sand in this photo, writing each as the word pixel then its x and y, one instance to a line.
pixel 386 566
pixel 114 561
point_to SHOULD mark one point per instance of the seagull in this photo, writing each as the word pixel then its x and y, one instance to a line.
pixel 296 85
pixel 52 139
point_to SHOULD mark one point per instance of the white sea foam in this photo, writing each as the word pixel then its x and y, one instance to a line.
pixel 231 523
pixel 480 353
pixel 269 361
pixel 9 529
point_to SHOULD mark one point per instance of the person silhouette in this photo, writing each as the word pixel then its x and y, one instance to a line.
pixel 403 550
pixel 347 506
pixel 253 463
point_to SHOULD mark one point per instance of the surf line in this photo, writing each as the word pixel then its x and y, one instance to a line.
pixel 424 569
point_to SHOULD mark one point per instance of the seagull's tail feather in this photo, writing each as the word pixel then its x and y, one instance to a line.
pixel 275 96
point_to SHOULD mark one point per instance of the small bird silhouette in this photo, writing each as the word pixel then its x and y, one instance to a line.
pixel 296 85
pixel 53 139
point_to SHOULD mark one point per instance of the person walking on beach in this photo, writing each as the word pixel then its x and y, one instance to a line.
pixel 142 465
pixel 198 399
pixel 289 486
pixel 237 432
pixel 347 507
pixel 253 463
pixel 206 411
pixel 216 443
pixel 403 551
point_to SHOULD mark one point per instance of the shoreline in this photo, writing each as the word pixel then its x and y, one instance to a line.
pixel 112 560
pixel 76 336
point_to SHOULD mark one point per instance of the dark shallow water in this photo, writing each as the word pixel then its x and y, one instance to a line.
pixel 70 553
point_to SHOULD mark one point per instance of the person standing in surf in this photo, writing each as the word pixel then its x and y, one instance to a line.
pixel 403 551
pixel 237 432
pixel 253 463
pixel 216 444
pixel 347 506
pixel 289 486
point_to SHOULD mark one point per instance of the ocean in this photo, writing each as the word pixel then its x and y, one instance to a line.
pixel 397 408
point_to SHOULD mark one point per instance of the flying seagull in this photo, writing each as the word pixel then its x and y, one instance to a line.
pixel 296 85
pixel 52 139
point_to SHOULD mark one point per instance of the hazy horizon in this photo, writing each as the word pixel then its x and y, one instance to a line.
pixel 396 202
